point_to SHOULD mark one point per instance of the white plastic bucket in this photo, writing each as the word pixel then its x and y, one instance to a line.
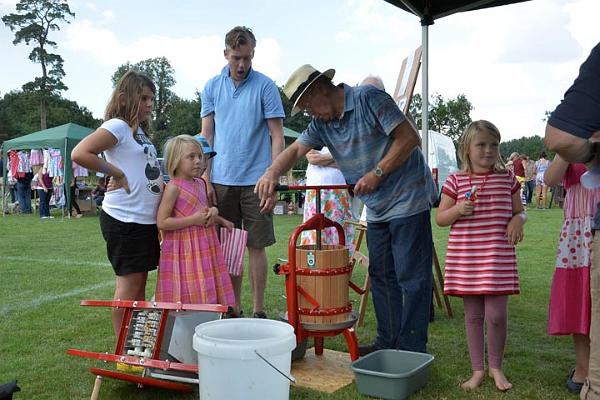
pixel 228 364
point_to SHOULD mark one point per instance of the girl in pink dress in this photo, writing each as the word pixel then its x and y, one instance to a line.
pixel 192 268
pixel 482 203
pixel 570 303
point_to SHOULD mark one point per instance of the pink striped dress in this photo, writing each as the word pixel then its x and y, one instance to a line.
pixel 192 269
pixel 569 309
pixel 479 260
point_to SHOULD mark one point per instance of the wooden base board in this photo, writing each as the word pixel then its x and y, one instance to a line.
pixel 326 373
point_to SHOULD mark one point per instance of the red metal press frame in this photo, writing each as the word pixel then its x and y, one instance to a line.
pixel 317 222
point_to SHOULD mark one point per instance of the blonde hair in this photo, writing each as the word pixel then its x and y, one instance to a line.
pixel 173 151
pixel 470 132
pixel 125 100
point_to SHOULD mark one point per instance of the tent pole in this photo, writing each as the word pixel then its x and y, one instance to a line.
pixel 425 92
pixel 4 182
pixel 67 195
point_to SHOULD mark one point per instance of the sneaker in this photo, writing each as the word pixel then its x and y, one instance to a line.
pixel 259 314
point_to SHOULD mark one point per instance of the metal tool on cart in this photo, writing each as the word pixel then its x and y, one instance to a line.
pixel 317 282
pixel 155 338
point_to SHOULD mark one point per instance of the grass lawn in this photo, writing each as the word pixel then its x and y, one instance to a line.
pixel 48 266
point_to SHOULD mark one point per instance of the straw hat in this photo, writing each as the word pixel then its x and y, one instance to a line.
pixel 300 80
pixel 513 155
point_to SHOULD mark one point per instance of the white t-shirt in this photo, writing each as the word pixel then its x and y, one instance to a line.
pixel 322 175
pixel 135 155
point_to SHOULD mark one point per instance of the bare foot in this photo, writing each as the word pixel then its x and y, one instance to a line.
pixel 474 382
pixel 501 382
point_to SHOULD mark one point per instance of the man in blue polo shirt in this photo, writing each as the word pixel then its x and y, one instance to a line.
pixel 377 150
pixel 242 118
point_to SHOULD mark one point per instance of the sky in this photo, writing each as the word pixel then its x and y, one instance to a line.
pixel 512 63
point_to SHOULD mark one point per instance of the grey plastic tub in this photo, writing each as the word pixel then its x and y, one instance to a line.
pixel 391 374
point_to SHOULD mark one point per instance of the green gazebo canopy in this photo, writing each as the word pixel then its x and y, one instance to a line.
pixel 63 137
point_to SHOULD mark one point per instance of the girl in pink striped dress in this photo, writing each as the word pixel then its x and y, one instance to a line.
pixel 570 302
pixel 192 268
pixel 483 206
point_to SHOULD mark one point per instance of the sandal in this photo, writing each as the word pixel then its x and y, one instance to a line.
pixel 572 386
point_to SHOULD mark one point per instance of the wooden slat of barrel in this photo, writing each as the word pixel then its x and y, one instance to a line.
pixel 306 282
pixel 324 289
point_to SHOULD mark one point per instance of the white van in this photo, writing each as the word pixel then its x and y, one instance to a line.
pixel 441 158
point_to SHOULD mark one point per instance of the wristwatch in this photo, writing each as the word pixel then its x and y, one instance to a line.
pixel 378 171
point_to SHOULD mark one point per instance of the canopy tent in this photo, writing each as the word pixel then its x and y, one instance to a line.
pixel 429 11
pixel 63 137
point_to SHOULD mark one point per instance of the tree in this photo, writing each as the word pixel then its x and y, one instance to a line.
pixel 159 70
pixel 530 146
pixel 182 117
pixel 33 22
pixel 298 122
pixel 18 114
pixel 449 117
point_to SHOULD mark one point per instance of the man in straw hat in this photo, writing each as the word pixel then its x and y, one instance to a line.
pixel 378 152
pixel 242 118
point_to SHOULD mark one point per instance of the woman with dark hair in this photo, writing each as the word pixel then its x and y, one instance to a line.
pixel 541 189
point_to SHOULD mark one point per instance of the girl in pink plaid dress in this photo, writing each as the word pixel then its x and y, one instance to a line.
pixel 192 268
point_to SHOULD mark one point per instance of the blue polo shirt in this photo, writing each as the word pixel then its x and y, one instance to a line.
pixel 360 139
pixel 242 139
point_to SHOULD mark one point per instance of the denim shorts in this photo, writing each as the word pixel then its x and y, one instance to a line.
pixel 130 247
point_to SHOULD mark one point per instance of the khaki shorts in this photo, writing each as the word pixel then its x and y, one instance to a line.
pixel 240 205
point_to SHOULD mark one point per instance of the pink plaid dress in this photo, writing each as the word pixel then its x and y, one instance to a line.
pixel 192 269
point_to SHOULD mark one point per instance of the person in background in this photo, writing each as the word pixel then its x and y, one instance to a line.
pixel 541 189
pixel 373 80
pixel 377 150
pixel 529 178
pixel 571 131
pixel 74 205
pixel 128 216
pixel 242 119
pixel 23 187
pixel 518 169
pixel 99 191
pixel 569 308
pixel 335 203
pixel 45 189
pixel 482 204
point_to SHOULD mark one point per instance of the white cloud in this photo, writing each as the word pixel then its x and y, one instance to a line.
pixel 8 5
pixel 584 22
pixel 343 36
pixel 91 6
pixel 108 15
pixel 194 59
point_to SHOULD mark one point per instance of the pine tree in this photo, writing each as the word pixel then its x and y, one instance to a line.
pixel 32 23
